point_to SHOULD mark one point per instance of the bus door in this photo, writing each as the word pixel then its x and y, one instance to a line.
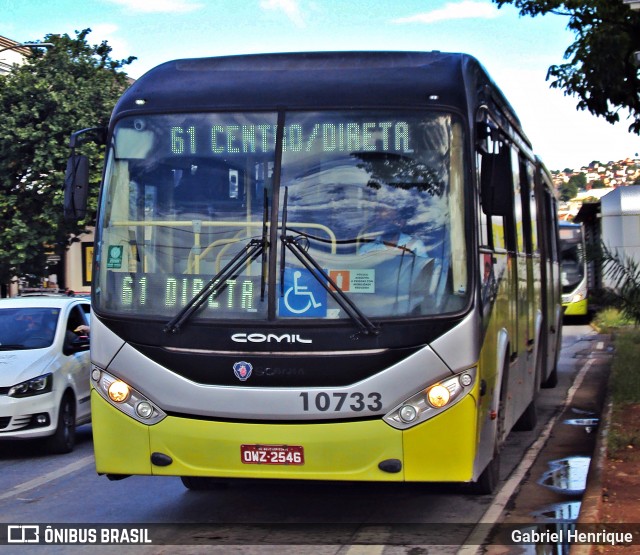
pixel 547 222
pixel 533 296
pixel 526 294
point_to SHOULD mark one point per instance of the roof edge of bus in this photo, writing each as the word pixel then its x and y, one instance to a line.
pixel 248 68
pixel 298 54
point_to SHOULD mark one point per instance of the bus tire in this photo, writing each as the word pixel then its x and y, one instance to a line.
pixel 64 438
pixel 552 379
pixel 488 481
pixel 199 483
pixel 529 418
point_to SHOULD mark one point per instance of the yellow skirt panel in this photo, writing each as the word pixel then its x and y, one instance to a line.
pixel 443 448
pixel 440 449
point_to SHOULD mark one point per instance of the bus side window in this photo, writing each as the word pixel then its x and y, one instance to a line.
pixel 496 193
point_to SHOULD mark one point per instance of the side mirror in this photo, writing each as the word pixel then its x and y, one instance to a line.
pixel 496 183
pixel 76 179
pixel 76 345
pixel 76 187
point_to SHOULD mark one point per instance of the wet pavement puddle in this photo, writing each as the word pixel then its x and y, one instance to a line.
pixel 590 424
pixel 567 476
pixel 587 419
pixel 567 511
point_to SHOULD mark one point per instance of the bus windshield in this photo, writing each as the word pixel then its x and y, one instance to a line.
pixel 374 199
pixel 571 257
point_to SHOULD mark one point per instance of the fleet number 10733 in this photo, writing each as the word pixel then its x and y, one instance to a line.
pixel 340 401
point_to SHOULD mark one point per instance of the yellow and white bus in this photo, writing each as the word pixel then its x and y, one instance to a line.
pixel 318 266
pixel 573 265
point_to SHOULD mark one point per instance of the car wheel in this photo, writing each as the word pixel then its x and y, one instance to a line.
pixel 64 438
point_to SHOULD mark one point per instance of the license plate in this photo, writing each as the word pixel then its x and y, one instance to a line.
pixel 272 454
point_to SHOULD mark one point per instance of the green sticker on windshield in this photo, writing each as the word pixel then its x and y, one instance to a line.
pixel 114 259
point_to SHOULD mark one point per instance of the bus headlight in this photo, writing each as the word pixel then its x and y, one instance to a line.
pixel 432 400
pixel 438 396
pixel 118 391
pixel 579 294
pixel 125 398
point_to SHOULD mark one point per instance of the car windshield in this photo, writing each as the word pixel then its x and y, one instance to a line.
pixel 374 201
pixel 27 328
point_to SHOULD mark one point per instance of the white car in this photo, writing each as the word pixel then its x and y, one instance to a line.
pixel 44 369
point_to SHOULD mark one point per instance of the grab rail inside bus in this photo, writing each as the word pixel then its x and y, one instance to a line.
pixel 197 225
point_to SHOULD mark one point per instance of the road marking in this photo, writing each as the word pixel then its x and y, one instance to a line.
pixel 46 478
pixel 369 533
pixel 479 534
pixel 365 550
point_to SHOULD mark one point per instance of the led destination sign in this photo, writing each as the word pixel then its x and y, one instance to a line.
pixel 157 293
pixel 164 294
pixel 369 136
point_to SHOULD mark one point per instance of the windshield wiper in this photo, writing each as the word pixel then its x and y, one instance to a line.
pixel 217 283
pixel 12 347
pixel 330 286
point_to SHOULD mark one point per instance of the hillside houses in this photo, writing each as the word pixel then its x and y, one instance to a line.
pixel 599 179
pixel 611 174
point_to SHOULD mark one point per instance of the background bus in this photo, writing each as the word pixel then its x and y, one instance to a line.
pixel 319 266
pixel 574 269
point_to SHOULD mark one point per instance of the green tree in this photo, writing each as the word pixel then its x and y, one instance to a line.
pixel 579 180
pixel 70 87
pixel 598 184
pixel 623 272
pixel 568 191
pixel 600 70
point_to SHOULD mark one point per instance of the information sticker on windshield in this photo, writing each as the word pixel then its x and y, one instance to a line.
pixel 272 454
pixel 354 281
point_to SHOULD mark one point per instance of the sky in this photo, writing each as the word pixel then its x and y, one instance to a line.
pixel 516 51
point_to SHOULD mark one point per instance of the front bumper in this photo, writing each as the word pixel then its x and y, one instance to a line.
pixel 576 309
pixel 332 451
pixel 28 417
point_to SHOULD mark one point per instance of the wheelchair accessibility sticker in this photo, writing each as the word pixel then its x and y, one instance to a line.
pixel 304 297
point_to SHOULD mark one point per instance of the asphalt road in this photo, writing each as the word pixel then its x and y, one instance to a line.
pixel 270 517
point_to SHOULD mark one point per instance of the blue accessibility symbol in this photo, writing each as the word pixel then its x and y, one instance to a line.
pixel 304 296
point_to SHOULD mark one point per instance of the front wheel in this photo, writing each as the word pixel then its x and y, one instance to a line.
pixel 488 481
pixel 529 418
pixel 552 379
pixel 64 438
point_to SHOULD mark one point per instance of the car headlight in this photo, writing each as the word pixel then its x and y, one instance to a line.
pixel 35 386
pixel 431 401
pixel 125 398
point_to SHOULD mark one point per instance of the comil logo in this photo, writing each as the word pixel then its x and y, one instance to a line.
pixel 268 338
